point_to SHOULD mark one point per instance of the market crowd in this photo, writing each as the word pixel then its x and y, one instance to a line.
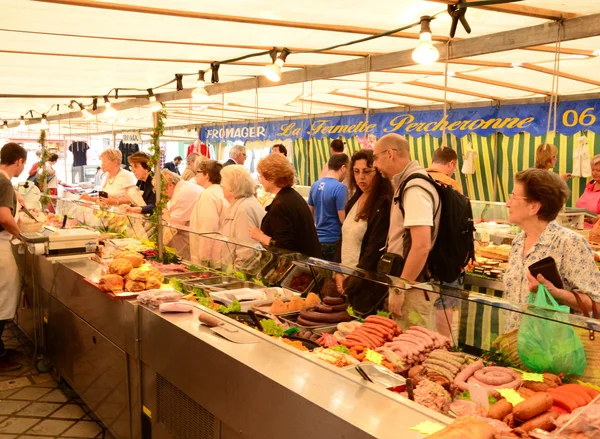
pixel 361 210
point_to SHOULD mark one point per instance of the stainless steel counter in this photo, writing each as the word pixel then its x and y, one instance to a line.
pixel 194 383
pixel 267 389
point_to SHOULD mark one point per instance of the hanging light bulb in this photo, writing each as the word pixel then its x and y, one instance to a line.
pixel 151 96
pixel 86 114
pixel 107 103
pixel 200 93
pixel 273 71
pixel 22 123
pixel 44 122
pixel 5 125
pixel 425 52
pixel 155 106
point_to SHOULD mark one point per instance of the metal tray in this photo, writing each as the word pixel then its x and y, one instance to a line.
pixel 217 280
pixel 235 285
pixel 191 275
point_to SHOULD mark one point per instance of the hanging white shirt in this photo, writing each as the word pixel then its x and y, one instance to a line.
pixel 581 159
pixel 468 166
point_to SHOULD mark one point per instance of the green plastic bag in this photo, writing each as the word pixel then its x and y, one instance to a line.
pixel 549 346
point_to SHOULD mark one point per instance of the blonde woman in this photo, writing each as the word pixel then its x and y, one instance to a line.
pixel 545 158
pixel 116 181
pixel 208 214
pixel 244 211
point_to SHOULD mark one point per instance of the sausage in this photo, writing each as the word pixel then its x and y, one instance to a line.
pixel 461 378
pixel 591 392
pixel 450 368
pixel 323 308
pixel 333 317
pixel 415 371
pixel 383 330
pixel 208 320
pixel 333 300
pixel 447 356
pixel 552 380
pixel 382 321
pixel 374 341
pixel 414 340
pixel 579 400
pixel 535 386
pixel 509 420
pixel 373 332
pixel 563 401
pixel 559 410
pixel 580 390
pixel 532 407
pixel 442 371
pixel 501 409
pixel 304 322
pixel 525 392
pixel 424 337
pixel 542 421
pixel 496 376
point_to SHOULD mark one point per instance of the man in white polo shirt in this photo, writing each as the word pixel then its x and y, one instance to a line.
pixel 411 234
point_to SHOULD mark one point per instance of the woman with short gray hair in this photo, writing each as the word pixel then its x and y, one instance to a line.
pixel 244 211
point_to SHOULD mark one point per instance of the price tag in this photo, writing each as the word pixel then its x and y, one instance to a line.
pixel 511 395
pixel 373 357
pixel 537 377
pixel 428 427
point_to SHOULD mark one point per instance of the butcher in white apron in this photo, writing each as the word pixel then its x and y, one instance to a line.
pixel 12 162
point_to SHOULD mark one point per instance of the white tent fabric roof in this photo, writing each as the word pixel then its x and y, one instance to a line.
pixel 57 50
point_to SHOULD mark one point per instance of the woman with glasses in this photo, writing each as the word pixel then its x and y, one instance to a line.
pixel 534 204
pixel 364 232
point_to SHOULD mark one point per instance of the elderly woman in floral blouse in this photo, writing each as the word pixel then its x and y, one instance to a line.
pixel 534 204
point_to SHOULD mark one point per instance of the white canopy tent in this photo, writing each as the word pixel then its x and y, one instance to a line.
pixel 56 51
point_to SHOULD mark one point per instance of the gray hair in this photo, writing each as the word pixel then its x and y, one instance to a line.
pixel 191 158
pixel 199 159
pixel 595 160
pixel 236 150
pixel 170 177
pixel 239 181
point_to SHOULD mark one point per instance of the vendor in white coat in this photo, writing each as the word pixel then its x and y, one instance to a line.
pixel 244 211
pixel 12 164
pixel 208 214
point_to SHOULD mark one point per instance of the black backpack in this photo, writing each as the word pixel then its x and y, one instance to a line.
pixel 454 247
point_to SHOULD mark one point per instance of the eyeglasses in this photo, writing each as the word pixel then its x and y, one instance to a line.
pixel 366 172
pixel 385 150
pixel 512 196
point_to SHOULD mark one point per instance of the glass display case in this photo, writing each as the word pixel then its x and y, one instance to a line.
pixel 242 285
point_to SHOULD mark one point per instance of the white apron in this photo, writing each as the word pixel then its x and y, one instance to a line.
pixel 10 282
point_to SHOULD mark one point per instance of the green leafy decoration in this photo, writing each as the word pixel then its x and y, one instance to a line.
pixel 384 314
pixel 161 202
pixel 42 181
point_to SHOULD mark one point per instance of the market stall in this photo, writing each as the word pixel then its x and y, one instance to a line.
pixel 146 370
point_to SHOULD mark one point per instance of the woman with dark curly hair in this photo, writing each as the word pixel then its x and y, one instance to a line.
pixel 364 232
pixel 288 223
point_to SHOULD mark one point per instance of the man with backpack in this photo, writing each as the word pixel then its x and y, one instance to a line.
pixel 443 165
pixel 424 240
pixel 412 231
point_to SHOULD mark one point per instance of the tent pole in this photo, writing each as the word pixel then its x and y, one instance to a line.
pixel 495 161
